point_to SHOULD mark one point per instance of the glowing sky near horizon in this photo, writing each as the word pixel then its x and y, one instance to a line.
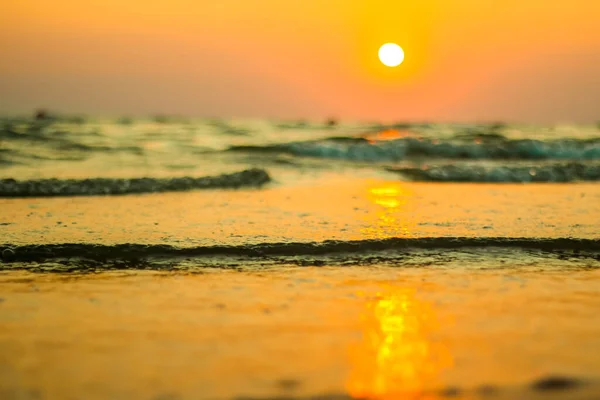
pixel 533 60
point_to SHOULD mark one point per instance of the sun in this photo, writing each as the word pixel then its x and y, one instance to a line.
pixel 391 55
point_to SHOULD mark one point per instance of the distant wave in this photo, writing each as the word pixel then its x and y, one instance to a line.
pixel 101 186
pixel 482 147
pixel 33 253
pixel 571 172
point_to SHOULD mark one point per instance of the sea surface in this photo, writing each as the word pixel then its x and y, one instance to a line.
pixel 210 183
pixel 125 148
pixel 171 258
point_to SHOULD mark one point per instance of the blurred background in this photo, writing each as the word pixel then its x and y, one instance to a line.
pixel 466 60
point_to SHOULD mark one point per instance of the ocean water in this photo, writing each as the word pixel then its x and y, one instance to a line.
pixel 214 259
pixel 190 183
pixel 419 152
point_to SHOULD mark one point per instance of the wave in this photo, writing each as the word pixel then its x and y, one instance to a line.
pixel 480 147
pixel 571 172
pixel 104 186
pixel 40 253
pixel 60 139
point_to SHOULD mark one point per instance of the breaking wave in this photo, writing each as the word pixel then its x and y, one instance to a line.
pixel 39 253
pixel 484 147
pixel 102 186
pixel 571 172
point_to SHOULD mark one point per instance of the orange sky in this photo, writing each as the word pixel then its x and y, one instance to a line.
pixel 523 60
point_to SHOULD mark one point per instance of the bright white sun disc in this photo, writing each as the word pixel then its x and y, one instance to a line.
pixel 391 54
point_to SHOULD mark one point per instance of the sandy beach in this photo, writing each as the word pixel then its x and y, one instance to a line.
pixel 335 207
pixel 301 332
pixel 377 321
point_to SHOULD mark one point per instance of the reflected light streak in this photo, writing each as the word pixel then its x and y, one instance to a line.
pixel 391 199
pixel 397 358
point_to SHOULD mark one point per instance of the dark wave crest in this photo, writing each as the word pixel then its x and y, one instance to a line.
pixel 33 253
pixel 101 186
pixel 482 147
pixel 571 172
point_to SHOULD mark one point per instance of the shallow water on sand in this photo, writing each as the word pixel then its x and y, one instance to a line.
pixel 322 209
pixel 342 269
pixel 364 331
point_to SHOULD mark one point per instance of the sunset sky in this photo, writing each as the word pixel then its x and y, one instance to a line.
pixel 466 60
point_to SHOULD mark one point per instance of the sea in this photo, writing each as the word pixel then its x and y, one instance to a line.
pixel 175 258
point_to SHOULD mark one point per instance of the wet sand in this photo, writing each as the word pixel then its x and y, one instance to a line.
pixel 376 322
pixel 327 208
pixel 290 332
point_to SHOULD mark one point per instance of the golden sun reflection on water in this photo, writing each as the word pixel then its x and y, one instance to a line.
pixel 391 218
pixel 398 357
